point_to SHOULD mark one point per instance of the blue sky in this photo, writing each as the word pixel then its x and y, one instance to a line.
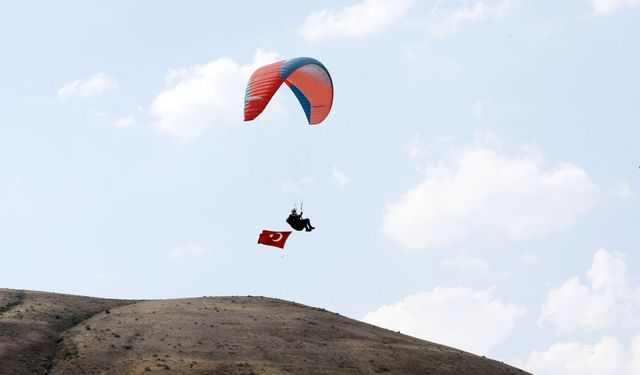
pixel 475 183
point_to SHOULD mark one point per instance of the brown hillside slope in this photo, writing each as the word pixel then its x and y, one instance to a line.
pixel 242 335
pixel 32 324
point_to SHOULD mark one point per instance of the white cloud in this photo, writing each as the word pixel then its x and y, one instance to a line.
pixel 450 316
pixel 465 263
pixel 481 191
pixel 604 7
pixel 355 21
pixel 340 178
pixel 574 300
pixel 18 181
pixel 416 148
pixel 110 276
pixel 419 150
pixel 186 251
pixel 370 17
pixel 103 275
pixel 124 122
pixel 92 86
pixel 606 357
pixel 623 190
pixel 296 187
pixel 608 299
pixel 529 258
pixel 204 96
pixel 479 106
pixel 634 363
pixel 447 18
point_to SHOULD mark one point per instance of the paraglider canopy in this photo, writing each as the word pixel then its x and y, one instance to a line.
pixel 306 77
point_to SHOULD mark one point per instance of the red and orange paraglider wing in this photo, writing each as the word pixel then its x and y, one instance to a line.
pixel 306 77
pixel 263 83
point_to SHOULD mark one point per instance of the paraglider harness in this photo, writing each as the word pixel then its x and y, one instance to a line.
pixel 296 221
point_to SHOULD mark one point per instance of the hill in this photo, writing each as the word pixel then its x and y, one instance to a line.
pixel 48 333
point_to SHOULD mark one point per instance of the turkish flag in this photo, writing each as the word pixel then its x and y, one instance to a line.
pixel 271 238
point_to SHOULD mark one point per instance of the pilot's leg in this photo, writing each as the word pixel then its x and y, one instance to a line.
pixel 307 225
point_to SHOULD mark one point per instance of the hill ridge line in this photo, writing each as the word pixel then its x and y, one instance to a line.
pixel 59 334
pixel 19 299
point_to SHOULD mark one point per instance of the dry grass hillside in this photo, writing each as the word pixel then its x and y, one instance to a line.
pixel 47 333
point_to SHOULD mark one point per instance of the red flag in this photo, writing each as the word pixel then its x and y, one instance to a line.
pixel 271 238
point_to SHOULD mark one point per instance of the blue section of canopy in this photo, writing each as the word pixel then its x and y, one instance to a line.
pixel 291 65
pixel 304 102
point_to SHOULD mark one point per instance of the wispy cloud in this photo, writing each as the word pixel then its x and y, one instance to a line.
pixel 296 187
pixel 416 148
pixel 340 178
pixel 605 7
pixel 124 122
pixel 108 275
pixel 419 150
pixel 465 263
pixel 354 22
pixel 371 17
pixel 623 190
pixel 528 258
pixel 92 86
pixel 448 17
pixel 187 251
pixel 479 106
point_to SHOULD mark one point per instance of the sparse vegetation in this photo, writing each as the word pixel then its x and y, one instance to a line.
pixel 282 337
